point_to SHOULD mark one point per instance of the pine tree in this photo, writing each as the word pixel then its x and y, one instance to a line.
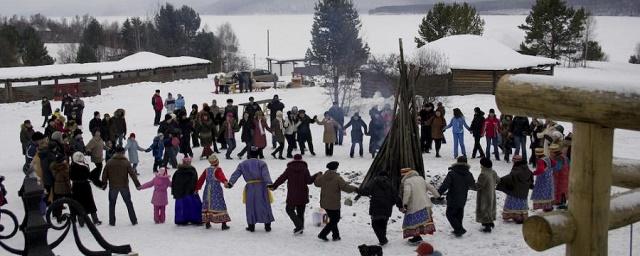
pixel 92 39
pixel 128 36
pixel 449 19
pixel 9 38
pixel 34 53
pixel 336 44
pixel 177 28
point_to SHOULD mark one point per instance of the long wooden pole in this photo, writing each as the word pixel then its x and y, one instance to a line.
pixel 590 188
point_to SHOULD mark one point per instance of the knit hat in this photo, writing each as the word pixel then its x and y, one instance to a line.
pixel 486 162
pixel 132 135
pixel 119 149
pixel 333 165
pixel 554 148
pixel 424 249
pixel 491 111
pixel 462 159
pixel 297 157
pixel 405 171
pixel 78 158
pixel 37 136
pixel 539 151
pixel 186 160
pixel 162 171
pixel 516 158
pixel 213 159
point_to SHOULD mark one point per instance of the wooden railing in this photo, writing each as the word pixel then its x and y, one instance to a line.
pixel 595 113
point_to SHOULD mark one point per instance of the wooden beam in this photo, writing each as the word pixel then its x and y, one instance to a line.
pixel 590 187
pixel 607 108
pixel 542 232
pixel 626 173
pixel 545 231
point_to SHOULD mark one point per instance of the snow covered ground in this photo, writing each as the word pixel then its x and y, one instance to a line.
pixel 148 238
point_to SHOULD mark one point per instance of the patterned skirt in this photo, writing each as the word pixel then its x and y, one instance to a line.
pixel 515 209
pixel 418 223
pixel 214 208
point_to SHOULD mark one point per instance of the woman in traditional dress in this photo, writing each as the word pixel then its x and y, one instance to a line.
pixel 214 208
pixel 188 205
pixel 516 185
pixel 416 206
pixel 560 176
pixel 543 196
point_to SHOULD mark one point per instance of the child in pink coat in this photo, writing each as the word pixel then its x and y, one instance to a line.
pixel 160 183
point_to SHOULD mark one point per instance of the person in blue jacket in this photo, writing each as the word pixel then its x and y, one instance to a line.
pixel 180 102
pixel 358 129
pixel 157 149
pixel 458 123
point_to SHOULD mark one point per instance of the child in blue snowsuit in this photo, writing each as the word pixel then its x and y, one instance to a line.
pixel 458 123
pixel 157 147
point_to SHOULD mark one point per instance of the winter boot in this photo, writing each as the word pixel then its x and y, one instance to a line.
pixel 487 228
pixel 224 226
pixel 207 225
pixel 267 227
pixel 251 228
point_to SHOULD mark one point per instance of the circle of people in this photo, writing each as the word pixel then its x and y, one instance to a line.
pixel 47 158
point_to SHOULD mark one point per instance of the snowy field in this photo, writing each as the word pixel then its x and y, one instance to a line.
pixel 148 238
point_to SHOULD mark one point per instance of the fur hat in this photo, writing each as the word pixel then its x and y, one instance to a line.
pixel 554 148
pixel 486 162
pixel 213 159
pixel 333 165
pixel 461 159
pixel 492 111
pixel 119 149
pixel 186 160
pixel 539 151
pixel 297 157
pixel 132 135
pixel 78 158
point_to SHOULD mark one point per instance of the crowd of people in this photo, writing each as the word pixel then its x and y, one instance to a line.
pixel 214 128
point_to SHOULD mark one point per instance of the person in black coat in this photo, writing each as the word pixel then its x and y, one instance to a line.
pixel 246 135
pixel 95 124
pixel 456 185
pixel 425 127
pixel 383 197
pixel 376 131
pixel 520 129
pixel 476 129
pixel 46 110
pixel 65 105
pixel 186 127
pixel 304 132
pixel 274 106
pixel 252 107
pixel 105 133
pixel 183 188
pixel 357 132
pixel 80 176
pixel 337 113
pixel 535 127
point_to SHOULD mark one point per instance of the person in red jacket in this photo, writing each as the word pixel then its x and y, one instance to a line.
pixel 156 102
pixel 491 131
pixel 297 174
pixel 560 176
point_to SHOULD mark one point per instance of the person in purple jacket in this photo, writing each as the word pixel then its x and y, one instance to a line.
pixel 160 183
pixel 458 123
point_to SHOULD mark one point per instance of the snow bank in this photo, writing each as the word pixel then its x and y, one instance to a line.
pixel 599 76
pixel 481 53
pixel 138 61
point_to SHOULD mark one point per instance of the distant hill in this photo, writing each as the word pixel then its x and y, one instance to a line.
pixel 597 7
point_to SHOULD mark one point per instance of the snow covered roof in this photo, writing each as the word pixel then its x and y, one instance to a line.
pixel 138 61
pixel 482 53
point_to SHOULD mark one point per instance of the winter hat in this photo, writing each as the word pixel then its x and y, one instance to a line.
pixel 213 159
pixel 333 165
pixel 162 171
pixel 462 159
pixel 539 151
pixel 297 157
pixel 486 162
pixel 405 171
pixel 554 148
pixel 275 97
pixel 186 160
pixel 279 113
pixel 251 98
pixel 491 111
pixel 229 101
pixel 424 249
pixel 119 149
pixel 78 158
pixel 37 136
pixel 132 135
pixel 476 109
pixel 173 116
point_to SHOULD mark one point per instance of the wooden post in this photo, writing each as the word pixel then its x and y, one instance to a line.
pixel 626 173
pixel 99 84
pixel 7 87
pixel 590 188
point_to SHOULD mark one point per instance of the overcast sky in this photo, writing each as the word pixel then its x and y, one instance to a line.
pixel 144 7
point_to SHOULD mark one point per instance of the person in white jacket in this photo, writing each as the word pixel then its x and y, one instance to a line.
pixel 291 124
pixel 416 206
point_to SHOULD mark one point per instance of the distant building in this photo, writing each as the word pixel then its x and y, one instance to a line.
pixel 468 64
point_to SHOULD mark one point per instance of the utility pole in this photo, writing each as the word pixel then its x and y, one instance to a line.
pixel 268 55
pixel 254 61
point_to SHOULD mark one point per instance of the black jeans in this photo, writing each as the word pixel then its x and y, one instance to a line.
pixel 46 120
pixel 425 138
pixel 126 196
pixel 353 147
pixel 194 139
pixel 379 226
pixel 291 144
pixel 156 120
pixel 279 149
pixel 246 149
pixel 438 143
pixel 231 145
pixel 477 147
pixel 455 215
pixel 302 139
pixel 296 214
pixel 96 175
pixel 157 162
pixel 332 226
pixel 328 149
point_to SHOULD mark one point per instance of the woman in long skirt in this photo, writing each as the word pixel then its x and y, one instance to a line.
pixel 214 208
pixel 188 205
pixel 516 185
pixel 416 206
pixel 543 195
